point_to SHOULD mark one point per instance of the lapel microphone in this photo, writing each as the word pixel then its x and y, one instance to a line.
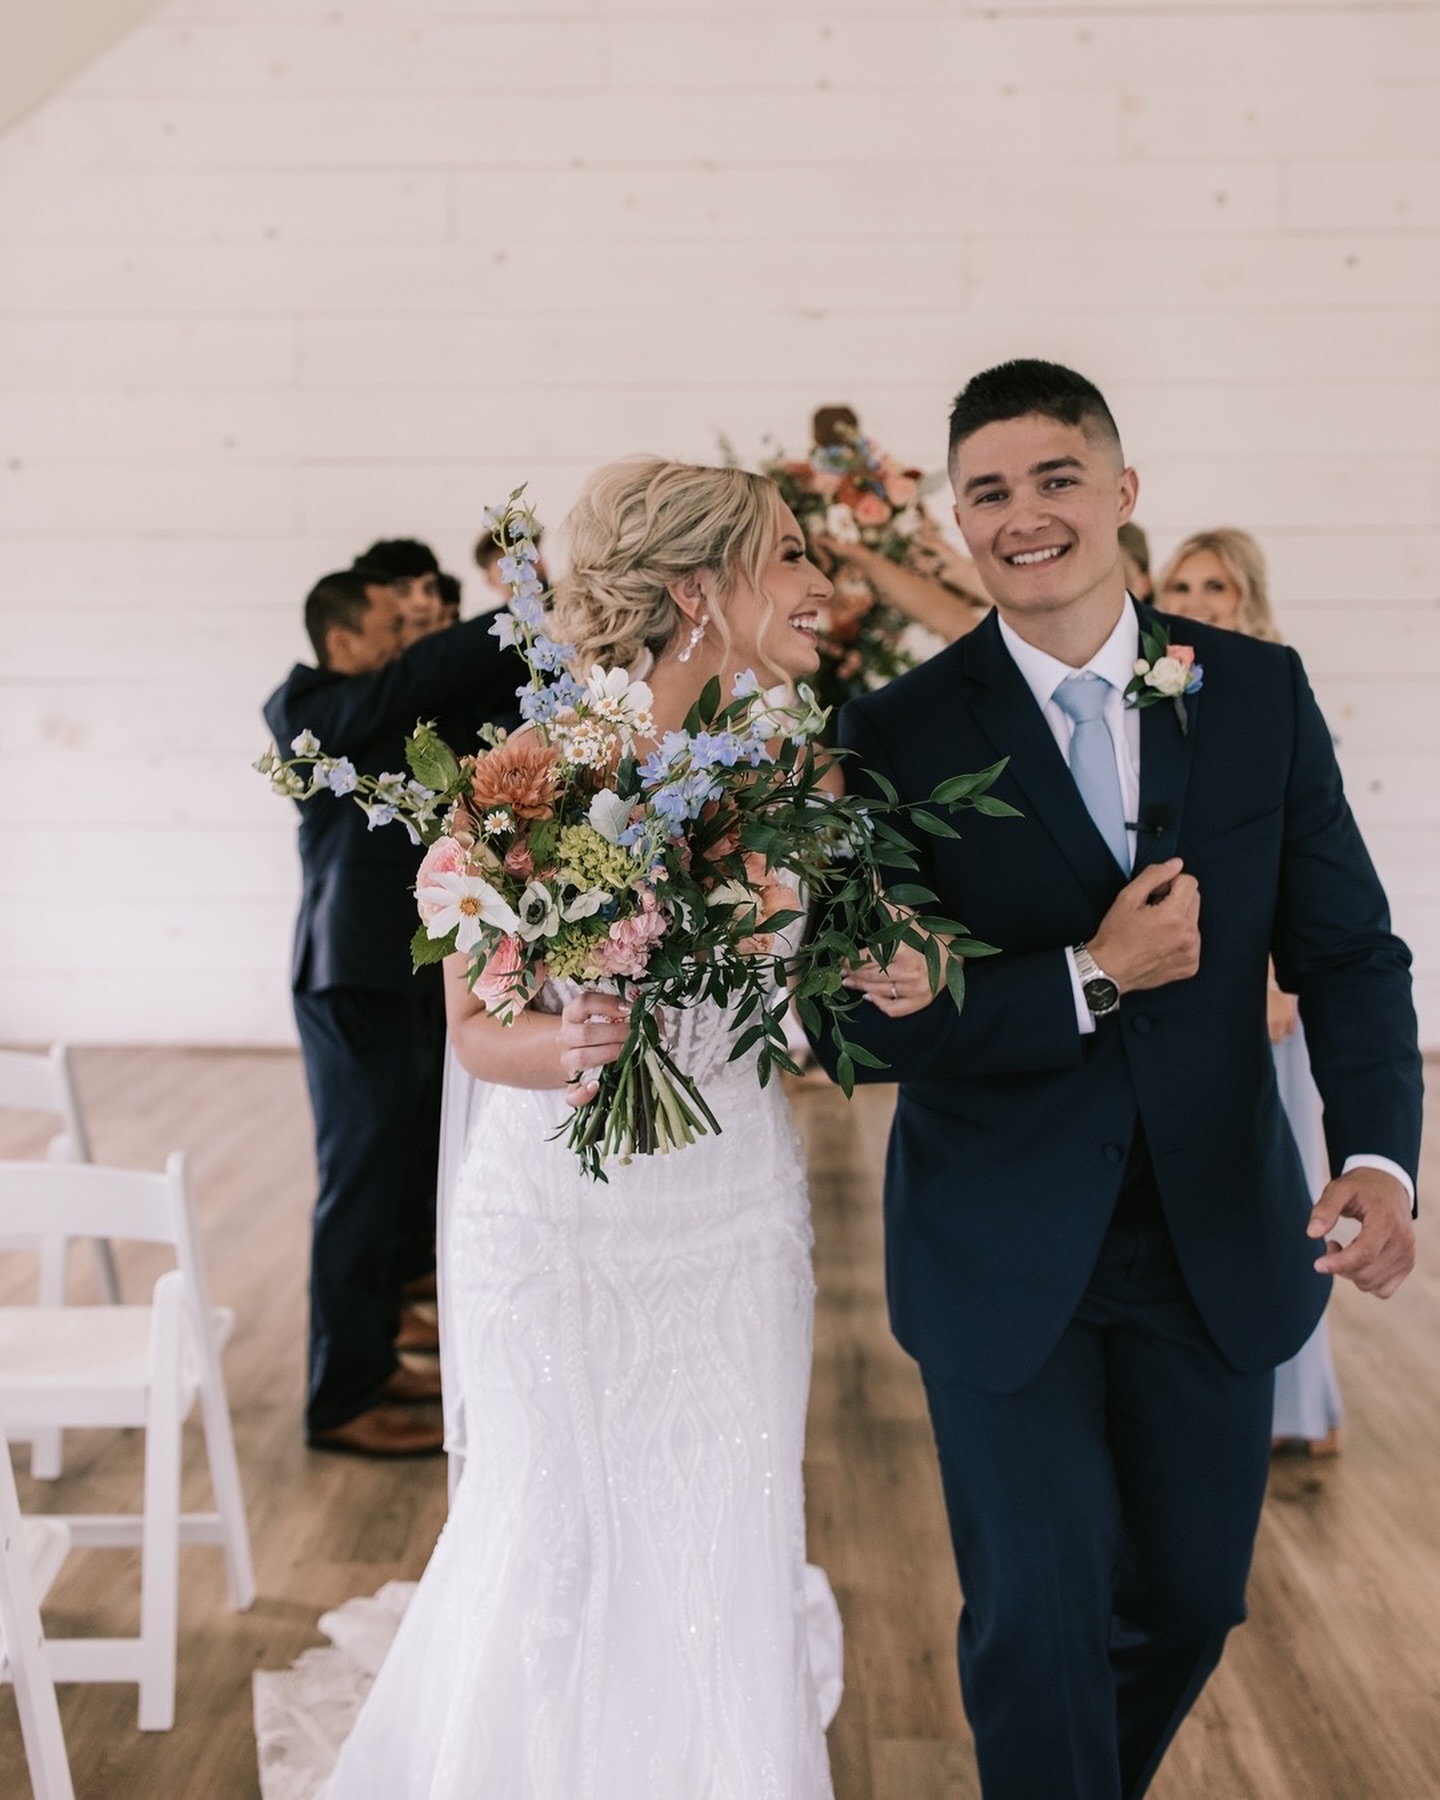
pixel 1158 818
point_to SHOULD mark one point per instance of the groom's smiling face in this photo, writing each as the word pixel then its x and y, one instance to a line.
pixel 1040 504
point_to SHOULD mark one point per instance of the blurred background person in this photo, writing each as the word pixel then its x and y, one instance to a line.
pixel 450 597
pixel 1219 578
pixel 413 571
pixel 487 559
pixel 1135 554
pixel 372 1031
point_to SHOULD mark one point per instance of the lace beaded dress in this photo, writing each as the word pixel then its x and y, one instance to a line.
pixel 618 1607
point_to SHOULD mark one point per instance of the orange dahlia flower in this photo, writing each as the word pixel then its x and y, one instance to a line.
pixel 518 774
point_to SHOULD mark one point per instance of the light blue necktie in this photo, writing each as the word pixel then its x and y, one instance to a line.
pixel 1092 759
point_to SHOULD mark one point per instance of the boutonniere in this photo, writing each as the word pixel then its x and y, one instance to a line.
pixel 1165 671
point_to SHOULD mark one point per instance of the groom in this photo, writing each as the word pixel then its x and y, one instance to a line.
pixel 1099 1240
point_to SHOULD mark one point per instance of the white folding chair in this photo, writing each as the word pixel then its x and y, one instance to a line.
pixel 89 1366
pixel 42 1082
pixel 31 1552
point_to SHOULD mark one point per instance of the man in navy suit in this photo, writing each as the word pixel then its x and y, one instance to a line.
pixel 1099 1241
pixel 372 1032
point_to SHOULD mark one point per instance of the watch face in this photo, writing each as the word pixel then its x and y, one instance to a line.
pixel 1101 994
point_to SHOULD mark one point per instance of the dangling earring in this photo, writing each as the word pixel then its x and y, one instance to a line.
pixel 697 631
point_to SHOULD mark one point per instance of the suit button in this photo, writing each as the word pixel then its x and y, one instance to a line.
pixel 1141 1023
pixel 1113 1153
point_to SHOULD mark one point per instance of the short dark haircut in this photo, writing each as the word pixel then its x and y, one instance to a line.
pixel 833 425
pixel 340 599
pixel 488 552
pixel 450 591
pixel 1012 390
pixel 396 559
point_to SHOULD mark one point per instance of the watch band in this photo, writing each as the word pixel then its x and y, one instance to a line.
pixel 1101 991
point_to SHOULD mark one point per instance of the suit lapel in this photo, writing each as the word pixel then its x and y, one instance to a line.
pixel 1006 712
pixel 1165 756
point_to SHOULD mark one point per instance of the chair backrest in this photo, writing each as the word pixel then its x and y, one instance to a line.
pixel 42 1082
pixel 69 1200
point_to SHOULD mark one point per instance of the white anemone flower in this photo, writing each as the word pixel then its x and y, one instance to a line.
pixel 463 904
pixel 539 913
pixel 585 904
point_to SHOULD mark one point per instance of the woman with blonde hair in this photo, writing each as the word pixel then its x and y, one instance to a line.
pixel 619 1606
pixel 1219 578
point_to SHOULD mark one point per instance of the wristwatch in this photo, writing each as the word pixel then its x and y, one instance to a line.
pixel 1102 996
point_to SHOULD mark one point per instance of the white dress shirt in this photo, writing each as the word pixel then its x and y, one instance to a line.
pixel 1115 661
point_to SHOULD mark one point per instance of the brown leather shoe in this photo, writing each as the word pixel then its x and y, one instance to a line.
pixel 422 1287
pixel 382 1431
pixel 409 1387
pixel 418 1332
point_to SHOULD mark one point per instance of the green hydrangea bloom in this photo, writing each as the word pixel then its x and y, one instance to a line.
pixel 591 861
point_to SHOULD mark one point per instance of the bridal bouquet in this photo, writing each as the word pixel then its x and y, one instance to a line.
pixel 854 493
pixel 562 852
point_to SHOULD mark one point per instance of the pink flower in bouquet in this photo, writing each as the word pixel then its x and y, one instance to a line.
pixel 772 896
pixel 519 862
pixel 1184 654
pixel 870 510
pixel 444 857
pixel 627 949
pixel 824 482
pixel 501 985
pixel 902 486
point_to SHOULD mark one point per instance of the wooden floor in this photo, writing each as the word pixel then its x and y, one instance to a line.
pixel 1332 1692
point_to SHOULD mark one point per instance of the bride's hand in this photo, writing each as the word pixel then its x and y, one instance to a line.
pixel 593 1029
pixel 899 989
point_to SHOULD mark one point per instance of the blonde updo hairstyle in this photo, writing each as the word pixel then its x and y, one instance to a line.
pixel 642 524
pixel 1244 562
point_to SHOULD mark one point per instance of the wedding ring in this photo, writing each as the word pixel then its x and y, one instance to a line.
pixel 894 992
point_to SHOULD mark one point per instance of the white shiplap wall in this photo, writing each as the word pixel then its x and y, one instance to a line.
pixel 280 276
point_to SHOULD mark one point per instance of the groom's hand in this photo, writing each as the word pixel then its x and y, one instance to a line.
pixel 1151 934
pixel 1382 1253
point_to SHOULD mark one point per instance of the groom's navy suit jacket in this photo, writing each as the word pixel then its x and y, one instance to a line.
pixel 1012 1128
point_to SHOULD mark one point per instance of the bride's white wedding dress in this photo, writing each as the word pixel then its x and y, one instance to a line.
pixel 617 1608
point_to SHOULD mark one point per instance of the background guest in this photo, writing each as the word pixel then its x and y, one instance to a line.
pixel 487 560
pixel 1135 554
pixel 372 1033
pixel 411 568
pixel 1218 577
pixel 450 596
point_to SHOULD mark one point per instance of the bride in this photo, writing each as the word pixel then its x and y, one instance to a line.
pixel 617 1607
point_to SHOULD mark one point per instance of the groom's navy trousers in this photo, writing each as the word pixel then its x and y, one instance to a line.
pixel 1095 1243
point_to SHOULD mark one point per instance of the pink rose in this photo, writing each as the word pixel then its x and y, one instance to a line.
pixel 1184 654
pixel 502 985
pixel 627 949
pixel 902 488
pixel 825 483
pixel 444 857
pixel 871 510
pixel 519 861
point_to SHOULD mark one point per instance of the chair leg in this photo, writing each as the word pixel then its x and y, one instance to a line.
pixel 46 1454
pixel 160 1532
pixel 105 1268
pixel 25 1651
pixel 225 1479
